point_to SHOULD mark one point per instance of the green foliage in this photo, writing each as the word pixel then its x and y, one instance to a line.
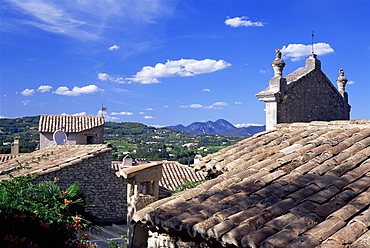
pixel 41 214
pixel 186 185
pixel 148 142
pixel 115 244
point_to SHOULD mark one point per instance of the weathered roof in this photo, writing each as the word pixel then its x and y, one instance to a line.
pixel 302 185
pixel 174 174
pixel 68 123
pixel 53 158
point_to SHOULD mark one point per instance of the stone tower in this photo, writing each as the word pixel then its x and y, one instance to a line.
pixel 304 95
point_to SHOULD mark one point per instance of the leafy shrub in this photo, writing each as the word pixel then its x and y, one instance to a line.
pixel 41 215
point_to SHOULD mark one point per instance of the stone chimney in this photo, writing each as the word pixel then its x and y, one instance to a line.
pixel 15 146
pixel 342 81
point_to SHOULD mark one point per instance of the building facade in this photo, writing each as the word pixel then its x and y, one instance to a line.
pixel 304 95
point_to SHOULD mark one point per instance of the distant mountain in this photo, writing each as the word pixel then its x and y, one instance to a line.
pixel 221 127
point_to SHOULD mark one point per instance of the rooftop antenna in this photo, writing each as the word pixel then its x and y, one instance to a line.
pixel 312 36
pixel 102 109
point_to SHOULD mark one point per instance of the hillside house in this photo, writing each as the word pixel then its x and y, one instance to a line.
pixel 297 185
pixel 80 130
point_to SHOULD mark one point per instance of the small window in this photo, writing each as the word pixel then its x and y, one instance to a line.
pixel 89 139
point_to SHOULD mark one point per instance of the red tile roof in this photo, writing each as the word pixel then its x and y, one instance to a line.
pixel 302 185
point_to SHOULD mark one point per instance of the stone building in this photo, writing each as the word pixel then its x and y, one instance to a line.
pixel 90 165
pixel 304 95
pixel 79 129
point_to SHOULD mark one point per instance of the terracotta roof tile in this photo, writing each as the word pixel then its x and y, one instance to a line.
pixel 301 185
pixel 68 123
pixel 56 157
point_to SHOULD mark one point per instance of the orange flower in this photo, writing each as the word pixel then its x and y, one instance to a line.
pixel 64 192
pixel 56 179
pixel 94 245
pixel 77 219
pixel 66 201
pixel 84 236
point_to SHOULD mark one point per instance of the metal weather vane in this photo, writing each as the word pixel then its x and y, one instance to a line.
pixel 312 37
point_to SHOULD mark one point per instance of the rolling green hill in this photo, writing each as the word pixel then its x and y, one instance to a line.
pixel 140 140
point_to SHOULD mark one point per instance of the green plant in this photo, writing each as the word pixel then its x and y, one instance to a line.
pixel 115 244
pixel 186 185
pixel 41 214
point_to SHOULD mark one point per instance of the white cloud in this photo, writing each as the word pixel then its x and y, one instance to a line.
pixel 76 114
pixel 216 105
pixel 148 117
pixel 195 105
pixel 206 90
pixel 351 82
pixel 76 91
pixel 149 109
pixel 28 92
pixel 113 48
pixel 44 88
pixel 87 20
pixel 25 102
pixel 299 51
pixel 141 113
pixel 166 106
pixel 242 22
pixel 106 116
pixel 121 113
pixel 220 104
pixel 107 77
pixel 238 102
pixel 182 68
pixel 263 71
pixel 247 125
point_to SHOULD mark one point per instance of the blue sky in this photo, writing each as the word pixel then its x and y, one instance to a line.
pixel 169 62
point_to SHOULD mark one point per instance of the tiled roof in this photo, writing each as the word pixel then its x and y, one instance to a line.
pixel 6 157
pixel 174 173
pixel 68 123
pixel 55 158
pixel 302 185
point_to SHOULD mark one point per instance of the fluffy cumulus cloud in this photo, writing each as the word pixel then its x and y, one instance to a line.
pixel 28 92
pixel 149 117
pixel 351 82
pixel 121 113
pixel 238 102
pixel 113 48
pixel 149 109
pixel 44 88
pixel 298 51
pixel 25 102
pixel 109 78
pixel 206 90
pixel 242 22
pixel 182 68
pixel 76 91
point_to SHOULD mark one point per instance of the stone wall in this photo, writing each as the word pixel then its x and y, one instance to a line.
pixel 103 188
pixel 312 98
